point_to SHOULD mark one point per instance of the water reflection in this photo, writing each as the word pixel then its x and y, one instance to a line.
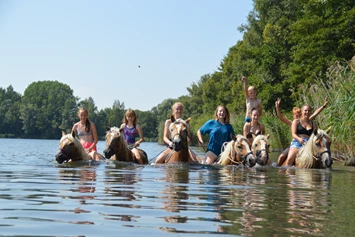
pixel 83 181
pixel 308 200
pixel 175 193
pixel 242 201
pixel 120 191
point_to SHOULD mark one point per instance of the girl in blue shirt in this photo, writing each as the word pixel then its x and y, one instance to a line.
pixel 219 131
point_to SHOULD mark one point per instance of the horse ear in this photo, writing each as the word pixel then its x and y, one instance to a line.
pixel 267 136
pixel 188 120
pixel 121 130
pixel 234 138
pixel 328 129
pixel 63 133
pixel 73 133
pixel 315 131
pixel 107 127
pixel 172 118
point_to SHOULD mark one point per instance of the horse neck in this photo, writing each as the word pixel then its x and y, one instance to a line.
pixel 123 153
pixel 180 156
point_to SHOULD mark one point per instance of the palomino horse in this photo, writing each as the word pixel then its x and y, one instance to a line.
pixel 70 148
pixel 117 147
pixel 179 136
pixel 260 149
pixel 316 152
pixel 237 152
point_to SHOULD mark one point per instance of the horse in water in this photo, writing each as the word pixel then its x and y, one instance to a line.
pixel 316 152
pixel 178 130
pixel 70 148
pixel 117 147
pixel 237 152
pixel 260 149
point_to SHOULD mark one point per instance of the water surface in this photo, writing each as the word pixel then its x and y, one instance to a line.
pixel 42 198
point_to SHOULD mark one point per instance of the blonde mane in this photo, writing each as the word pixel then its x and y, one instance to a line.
pixel 305 156
pixel 67 139
pixel 229 153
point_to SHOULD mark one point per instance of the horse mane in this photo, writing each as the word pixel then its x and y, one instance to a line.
pixel 305 154
pixel 227 154
pixel 77 144
pixel 179 120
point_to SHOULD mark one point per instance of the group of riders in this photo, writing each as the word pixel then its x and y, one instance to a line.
pixel 219 129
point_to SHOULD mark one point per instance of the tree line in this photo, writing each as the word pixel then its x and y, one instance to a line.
pixel 289 50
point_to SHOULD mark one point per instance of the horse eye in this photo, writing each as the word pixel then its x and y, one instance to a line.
pixel 317 144
pixel 240 147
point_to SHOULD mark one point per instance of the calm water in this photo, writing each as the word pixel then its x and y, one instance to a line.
pixel 41 198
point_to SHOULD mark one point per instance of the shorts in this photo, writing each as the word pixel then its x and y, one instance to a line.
pixel 297 144
pixel 247 120
pixel 87 145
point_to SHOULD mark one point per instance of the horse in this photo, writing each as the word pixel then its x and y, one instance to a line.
pixel 179 136
pixel 260 148
pixel 237 152
pixel 117 147
pixel 316 152
pixel 70 148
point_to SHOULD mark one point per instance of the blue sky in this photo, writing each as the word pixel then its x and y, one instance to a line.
pixel 96 47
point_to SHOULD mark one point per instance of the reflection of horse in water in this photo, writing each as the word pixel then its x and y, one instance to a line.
pixel 175 195
pixel 70 148
pixel 237 152
pixel 260 149
pixel 316 153
pixel 308 199
pixel 121 192
pixel 82 188
pixel 117 147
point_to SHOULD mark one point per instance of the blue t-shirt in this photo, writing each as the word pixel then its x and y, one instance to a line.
pixel 218 133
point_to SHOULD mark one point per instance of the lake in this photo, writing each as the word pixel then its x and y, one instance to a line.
pixel 42 198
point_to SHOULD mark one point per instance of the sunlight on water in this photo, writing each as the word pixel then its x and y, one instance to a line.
pixel 41 198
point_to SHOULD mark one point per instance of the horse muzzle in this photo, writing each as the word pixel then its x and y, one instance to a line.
pixel 108 152
pixel 250 160
pixel 60 157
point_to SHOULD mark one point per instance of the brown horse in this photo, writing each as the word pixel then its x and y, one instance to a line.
pixel 70 148
pixel 316 153
pixel 117 147
pixel 260 149
pixel 237 152
pixel 179 136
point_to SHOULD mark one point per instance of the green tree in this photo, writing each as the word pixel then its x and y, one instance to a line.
pixel 44 105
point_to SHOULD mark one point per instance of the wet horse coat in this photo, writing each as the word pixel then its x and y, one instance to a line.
pixel 316 153
pixel 117 147
pixel 260 149
pixel 237 152
pixel 70 149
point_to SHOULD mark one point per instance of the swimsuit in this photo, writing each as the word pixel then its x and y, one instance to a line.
pixel 87 145
pixel 80 133
pixel 130 134
pixel 301 130
pixel 250 134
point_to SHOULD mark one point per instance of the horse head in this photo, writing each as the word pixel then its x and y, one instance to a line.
pixel 179 133
pixel 113 136
pixel 260 149
pixel 237 152
pixel 69 149
pixel 321 147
